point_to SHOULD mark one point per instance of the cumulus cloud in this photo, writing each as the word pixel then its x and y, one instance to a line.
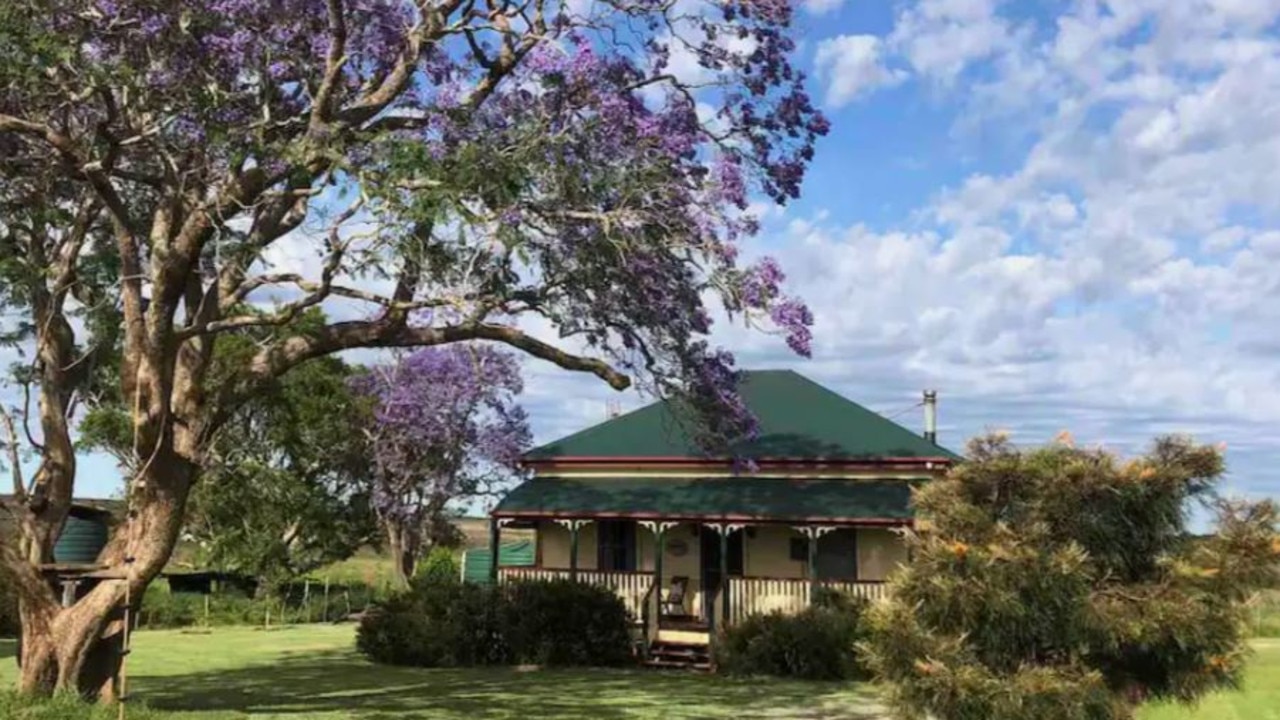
pixel 822 7
pixel 1119 277
pixel 852 65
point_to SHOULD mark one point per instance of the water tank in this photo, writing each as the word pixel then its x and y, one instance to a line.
pixel 83 536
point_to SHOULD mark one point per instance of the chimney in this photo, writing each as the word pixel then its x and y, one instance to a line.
pixel 613 408
pixel 931 415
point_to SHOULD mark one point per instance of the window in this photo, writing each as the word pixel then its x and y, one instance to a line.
pixel 838 555
pixel 800 549
pixel 616 545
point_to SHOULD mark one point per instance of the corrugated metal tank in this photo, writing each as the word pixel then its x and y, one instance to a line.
pixel 83 536
pixel 477 561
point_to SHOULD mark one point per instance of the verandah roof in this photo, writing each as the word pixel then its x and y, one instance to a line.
pixel 769 499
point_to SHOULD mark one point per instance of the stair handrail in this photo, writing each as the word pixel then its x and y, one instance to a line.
pixel 650 611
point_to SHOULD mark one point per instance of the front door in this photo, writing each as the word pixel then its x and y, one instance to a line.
pixel 711 580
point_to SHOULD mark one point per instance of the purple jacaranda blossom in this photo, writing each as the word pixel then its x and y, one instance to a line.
pixel 445 427
pixel 617 191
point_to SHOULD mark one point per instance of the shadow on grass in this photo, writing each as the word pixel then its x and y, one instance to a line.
pixel 8 648
pixel 343 683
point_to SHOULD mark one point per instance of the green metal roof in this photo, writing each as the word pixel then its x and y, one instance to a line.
pixel 727 498
pixel 799 419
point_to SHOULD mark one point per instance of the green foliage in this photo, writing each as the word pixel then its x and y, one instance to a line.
pixel 164 609
pixel 444 624
pixel 455 624
pixel 14 706
pixel 565 623
pixel 819 643
pixel 1062 583
pixel 440 566
pixel 285 488
pixel 1264 615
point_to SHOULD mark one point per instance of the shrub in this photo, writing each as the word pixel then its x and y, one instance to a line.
pixel 449 623
pixel 440 566
pixel 819 643
pixel 444 624
pixel 162 608
pixel 1062 584
pixel 561 622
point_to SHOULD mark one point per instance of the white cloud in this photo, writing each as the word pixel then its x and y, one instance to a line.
pixel 822 7
pixel 852 65
pixel 940 38
pixel 1119 277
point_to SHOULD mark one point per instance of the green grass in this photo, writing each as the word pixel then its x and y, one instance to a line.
pixel 312 673
pixel 1259 700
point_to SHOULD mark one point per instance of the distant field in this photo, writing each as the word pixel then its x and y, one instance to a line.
pixel 369 566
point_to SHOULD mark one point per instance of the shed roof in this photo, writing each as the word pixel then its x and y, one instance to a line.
pixel 799 420
pixel 754 498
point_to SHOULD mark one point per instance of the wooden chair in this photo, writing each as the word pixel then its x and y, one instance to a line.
pixel 675 597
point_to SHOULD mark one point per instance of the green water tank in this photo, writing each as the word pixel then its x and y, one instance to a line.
pixel 83 536
pixel 477 561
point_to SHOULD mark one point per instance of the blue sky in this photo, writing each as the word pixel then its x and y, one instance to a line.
pixel 1060 215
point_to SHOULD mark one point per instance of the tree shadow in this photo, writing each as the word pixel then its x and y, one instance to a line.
pixel 342 681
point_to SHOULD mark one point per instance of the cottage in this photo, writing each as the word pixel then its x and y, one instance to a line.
pixel 689 543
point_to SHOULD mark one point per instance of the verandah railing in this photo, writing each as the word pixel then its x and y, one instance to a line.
pixel 749 596
pixel 630 586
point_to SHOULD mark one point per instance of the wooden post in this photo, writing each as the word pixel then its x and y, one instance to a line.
pixel 326 599
pixel 724 574
pixel 495 549
pixel 812 534
pixel 573 549
pixel 660 549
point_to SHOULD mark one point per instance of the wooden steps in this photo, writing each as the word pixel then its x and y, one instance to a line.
pixel 679 656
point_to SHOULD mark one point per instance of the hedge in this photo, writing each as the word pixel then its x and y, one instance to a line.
pixel 448 623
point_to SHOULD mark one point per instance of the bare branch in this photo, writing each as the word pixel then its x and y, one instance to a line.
pixel 15 464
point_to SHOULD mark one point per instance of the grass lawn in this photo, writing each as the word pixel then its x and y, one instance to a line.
pixel 312 673
pixel 1260 699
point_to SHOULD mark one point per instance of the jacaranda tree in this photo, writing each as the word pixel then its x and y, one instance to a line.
pixel 429 171
pixel 445 427
pixel 1063 584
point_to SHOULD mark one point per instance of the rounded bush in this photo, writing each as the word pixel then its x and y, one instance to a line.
pixel 819 643
pixel 447 623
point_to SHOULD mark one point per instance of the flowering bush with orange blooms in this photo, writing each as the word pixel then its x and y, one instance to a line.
pixel 1063 584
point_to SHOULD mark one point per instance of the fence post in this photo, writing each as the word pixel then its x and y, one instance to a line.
pixel 326 598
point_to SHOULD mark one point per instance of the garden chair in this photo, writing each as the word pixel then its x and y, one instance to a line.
pixel 675 596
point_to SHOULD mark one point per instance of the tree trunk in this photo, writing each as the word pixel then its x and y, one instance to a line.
pixel 403 545
pixel 79 648
pixel 75 649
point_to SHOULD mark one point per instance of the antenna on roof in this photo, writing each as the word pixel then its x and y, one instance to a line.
pixel 931 415
pixel 613 408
